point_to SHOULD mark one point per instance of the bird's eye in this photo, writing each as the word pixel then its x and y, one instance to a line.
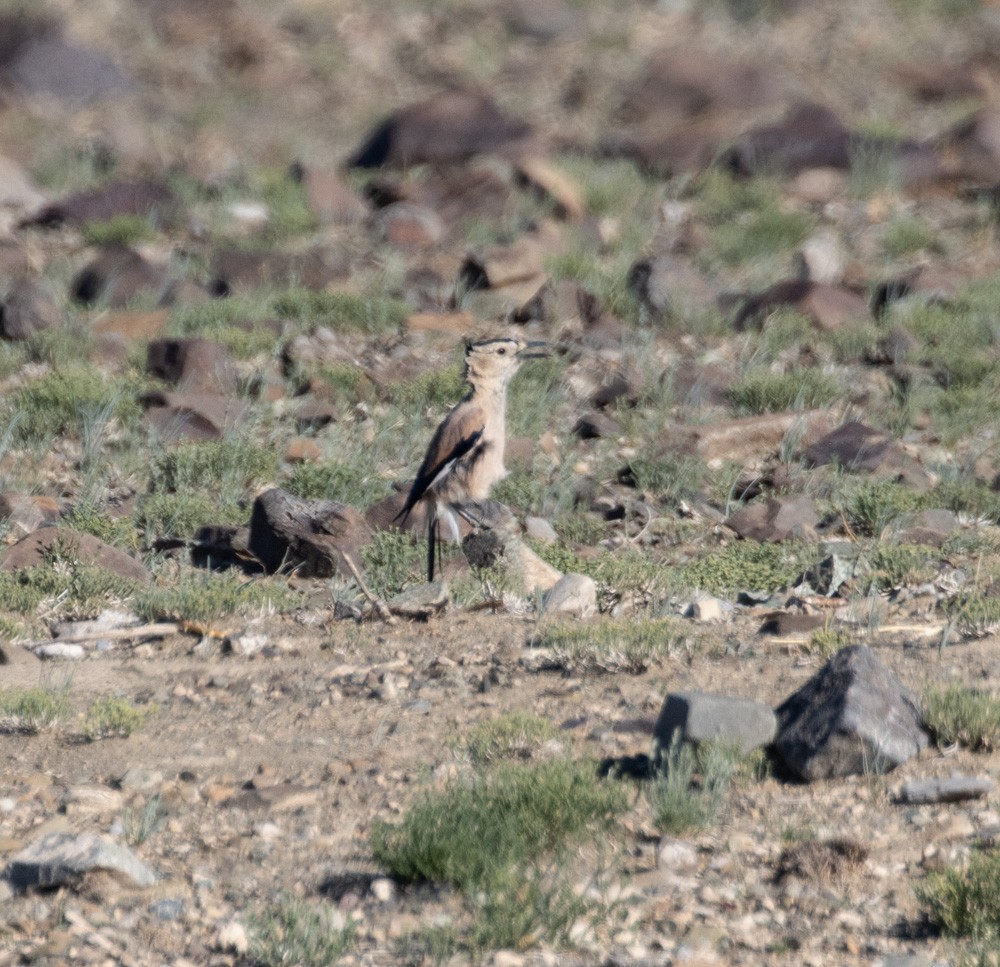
pixel 501 351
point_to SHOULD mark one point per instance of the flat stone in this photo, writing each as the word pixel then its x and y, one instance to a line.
pixel 952 789
pixel 704 609
pixel 776 519
pixel 701 717
pixel 62 857
pixel 421 601
pixel 853 717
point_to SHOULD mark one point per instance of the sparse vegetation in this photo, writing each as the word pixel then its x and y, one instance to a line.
pixel 613 646
pixel 964 715
pixel 114 717
pixel 688 788
pixel 293 932
pixel 516 735
pixel 139 823
pixel 209 597
pixel 748 565
pixel 765 391
pixel 32 710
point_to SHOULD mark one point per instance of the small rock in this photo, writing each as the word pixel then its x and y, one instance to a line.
pixel 821 258
pixel 539 529
pixel 232 938
pixel 705 609
pixel 421 601
pixel 383 889
pixel 571 594
pixel 140 779
pixel 246 643
pixel 952 789
pixel 675 854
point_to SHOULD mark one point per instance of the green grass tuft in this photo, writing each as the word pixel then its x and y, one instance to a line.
pixel 516 735
pixel 964 901
pixel 963 715
pixel 114 717
pixel 765 391
pixel 748 565
pixel 613 645
pixel 291 932
pixel 31 710
pixel 208 597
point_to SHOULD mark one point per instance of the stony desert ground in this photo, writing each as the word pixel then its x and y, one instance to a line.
pixel 242 245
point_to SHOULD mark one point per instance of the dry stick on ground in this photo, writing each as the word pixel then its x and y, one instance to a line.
pixel 156 630
pixel 377 603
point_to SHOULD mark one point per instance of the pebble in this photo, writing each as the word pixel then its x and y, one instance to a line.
pixel 383 889
pixel 232 937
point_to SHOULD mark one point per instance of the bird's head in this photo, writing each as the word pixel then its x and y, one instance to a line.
pixel 496 360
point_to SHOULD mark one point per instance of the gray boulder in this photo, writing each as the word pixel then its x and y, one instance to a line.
pixel 700 717
pixel 61 857
pixel 852 717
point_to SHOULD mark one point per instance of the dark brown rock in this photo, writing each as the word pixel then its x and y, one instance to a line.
pixel 148 199
pixel 238 270
pixel 931 527
pixel 192 416
pixel 37 548
pixel 407 226
pixel 853 446
pixel 384 515
pixel 776 519
pixel 119 276
pixel 783 623
pixel 192 365
pixel 596 426
pixel 829 307
pixel 451 126
pixel 27 310
pixel 310 537
pixel 669 285
pixel 809 136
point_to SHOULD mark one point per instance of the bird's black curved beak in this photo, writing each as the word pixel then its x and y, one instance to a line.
pixel 534 350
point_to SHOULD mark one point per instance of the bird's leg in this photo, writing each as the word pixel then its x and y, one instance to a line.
pixel 467 516
pixel 431 541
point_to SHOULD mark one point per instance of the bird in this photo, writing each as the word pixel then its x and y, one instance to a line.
pixel 465 456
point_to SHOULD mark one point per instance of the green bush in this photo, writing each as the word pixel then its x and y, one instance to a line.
pixel 222 466
pixel 964 901
pixel 688 789
pixel 393 561
pixel 62 400
pixel 71 589
pixel 671 477
pixel 356 483
pixel 974 615
pixel 207 597
pixel 180 514
pixel 472 834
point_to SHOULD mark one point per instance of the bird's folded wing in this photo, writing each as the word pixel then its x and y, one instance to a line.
pixel 455 437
